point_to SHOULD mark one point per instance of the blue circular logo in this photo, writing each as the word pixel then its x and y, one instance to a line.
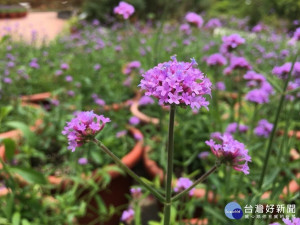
pixel 233 211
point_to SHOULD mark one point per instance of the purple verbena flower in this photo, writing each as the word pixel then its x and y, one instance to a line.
pixel 177 83
pixel 216 60
pixel 121 133
pixel 69 78
pixel 263 128
pixel 232 128
pixel 282 71
pixel 124 9
pixel 203 155
pixel 134 120
pixel 82 161
pixel 259 96
pixel 136 192
pixel 83 128
pixel 127 216
pixel 185 28
pixel 182 184
pixel 146 100
pixel 213 23
pixel 220 86
pixel 194 18
pixel 231 152
pixel 231 42
pixel 64 66
pixel 293 221
pixel 97 67
pixel 34 64
pixel 239 63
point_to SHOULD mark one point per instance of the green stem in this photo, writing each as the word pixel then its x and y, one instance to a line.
pixel 129 171
pixel 168 202
pixel 200 180
pixel 274 130
pixel 266 160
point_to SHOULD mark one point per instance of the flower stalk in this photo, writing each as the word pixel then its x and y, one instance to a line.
pixel 129 171
pixel 170 151
pixel 200 180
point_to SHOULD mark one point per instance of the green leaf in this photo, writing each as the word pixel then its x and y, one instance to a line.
pixel 16 218
pixel 216 214
pixel 30 175
pixel 10 147
pixel 25 222
pixel 28 134
pixel 270 179
pixel 9 205
pixel 4 111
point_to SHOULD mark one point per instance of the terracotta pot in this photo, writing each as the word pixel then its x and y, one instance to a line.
pixel 196 221
pixel 291 133
pixel 36 97
pixel 118 106
pixel 134 108
pixel 115 193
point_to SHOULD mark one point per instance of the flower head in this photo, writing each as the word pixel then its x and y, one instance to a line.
pixel 177 83
pixel 293 221
pixel 259 96
pixel 216 60
pixel 136 192
pixel 83 128
pixel 182 184
pixel 213 23
pixel 231 42
pixel 127 215
pixel 124 9
pixel 194 18
pixel 232 152
pixel 263 128
pixel 83 161
pixel 282 71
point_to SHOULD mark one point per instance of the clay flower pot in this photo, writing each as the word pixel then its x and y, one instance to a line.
pixel 196 221
pixel 36 98
pixel 134 108
pixel 115 193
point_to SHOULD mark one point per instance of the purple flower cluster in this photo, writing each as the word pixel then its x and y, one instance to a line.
pixel 282 71
pixel 130 66
pixel 220 86
pixel 263 90
pixel 83 127
pixel 182 184
pixel 34 63
pixel 216 59
pixel 127 215
pixel 232 128
pixel 213 23
pixel 232 152
pixel 287 221
pixel 231 42
pixel 177 83
pixel 136 192
pixel 237 63
pixel 258 96
pixel 146 100
pixel 264 128
pixel 64 66
pixel 296 37
pixel 124 9
pixel 194 18
pixel 185 28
